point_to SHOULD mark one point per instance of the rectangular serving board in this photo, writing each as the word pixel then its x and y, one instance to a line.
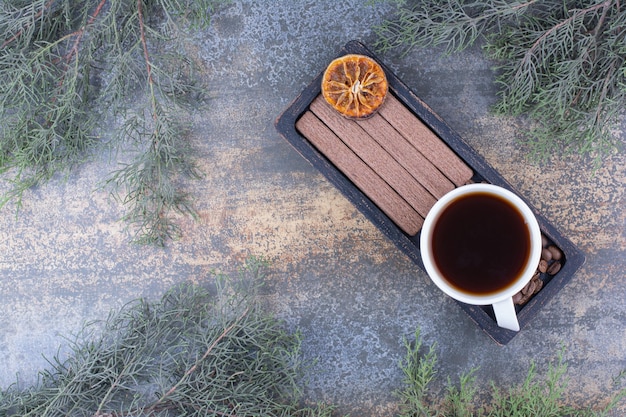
pixel 409 244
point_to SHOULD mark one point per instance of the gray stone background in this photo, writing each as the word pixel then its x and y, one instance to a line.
pixel 66 259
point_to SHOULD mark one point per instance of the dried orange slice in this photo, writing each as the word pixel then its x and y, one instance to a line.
pixel 355 85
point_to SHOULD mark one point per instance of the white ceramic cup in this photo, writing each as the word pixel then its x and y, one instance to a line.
pixel 501 300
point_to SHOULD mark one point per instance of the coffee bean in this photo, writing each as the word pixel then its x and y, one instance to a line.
pixel 532 288
pixel 522 298
pixel 524 291
pixel 544 240
pixel 543 266
pixel 554 268
pixel 528 289
pixel 557 254
pixel 546 254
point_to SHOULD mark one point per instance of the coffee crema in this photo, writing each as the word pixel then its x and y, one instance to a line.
pixel 481 243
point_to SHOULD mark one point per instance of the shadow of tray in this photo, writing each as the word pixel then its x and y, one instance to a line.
pixel 483 316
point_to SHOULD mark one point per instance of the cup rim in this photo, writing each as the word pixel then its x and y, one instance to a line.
pixel 529 269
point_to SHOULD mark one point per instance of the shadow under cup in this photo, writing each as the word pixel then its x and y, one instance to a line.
pixel 481 244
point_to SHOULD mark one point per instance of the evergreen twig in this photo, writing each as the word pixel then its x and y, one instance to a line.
pixel 195 352
pixel 419 372
pixel 561 62
pixel 69 68
pixel 535 396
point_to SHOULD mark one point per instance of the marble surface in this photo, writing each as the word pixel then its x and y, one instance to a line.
pixel 65 260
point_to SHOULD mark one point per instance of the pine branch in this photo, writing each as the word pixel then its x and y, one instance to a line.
pixel 192 369
pixel 454 24
pixel 151 177
pixel 195 352
pixel 147 185
pixel 26 25
pixel 561 63
pixel 537 395
pixel 68 67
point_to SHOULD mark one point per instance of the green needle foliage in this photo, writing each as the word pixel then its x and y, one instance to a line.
pixel 563 63
pixel 536 396
pixel 194 353
pixel 70 69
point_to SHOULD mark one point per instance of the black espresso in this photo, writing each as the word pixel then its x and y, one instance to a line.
pixel 480 243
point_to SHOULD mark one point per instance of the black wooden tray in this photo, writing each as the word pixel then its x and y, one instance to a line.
pixel 481 315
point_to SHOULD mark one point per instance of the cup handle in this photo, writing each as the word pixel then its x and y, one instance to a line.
pixel 505 314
